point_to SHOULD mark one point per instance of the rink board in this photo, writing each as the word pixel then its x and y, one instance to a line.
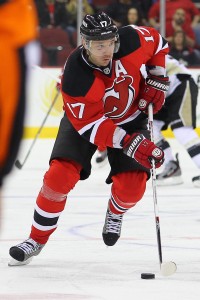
pixel 41 93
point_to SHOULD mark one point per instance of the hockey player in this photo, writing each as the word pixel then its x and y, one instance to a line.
pixel 178 112
pixel 103 94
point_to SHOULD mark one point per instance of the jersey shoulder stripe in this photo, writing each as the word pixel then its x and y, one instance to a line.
pixel 129 41
pixel 164 43
pixel 77 76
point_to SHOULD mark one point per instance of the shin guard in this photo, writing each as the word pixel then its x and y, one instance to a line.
pixel 127 189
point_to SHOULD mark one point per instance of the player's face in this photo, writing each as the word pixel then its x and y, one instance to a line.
pixel 101 52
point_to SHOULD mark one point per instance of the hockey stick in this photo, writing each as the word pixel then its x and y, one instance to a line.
pixel 167 268
pixel 18 164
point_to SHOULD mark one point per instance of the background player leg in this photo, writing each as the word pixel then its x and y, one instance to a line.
pixel 171 174
pixel 188 137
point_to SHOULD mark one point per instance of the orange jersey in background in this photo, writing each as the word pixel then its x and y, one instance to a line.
pixel 18 27
pixel 18 22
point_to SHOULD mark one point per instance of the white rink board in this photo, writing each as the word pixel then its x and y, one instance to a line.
pixel 42 90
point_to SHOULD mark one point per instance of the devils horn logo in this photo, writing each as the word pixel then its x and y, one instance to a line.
pixel 119 97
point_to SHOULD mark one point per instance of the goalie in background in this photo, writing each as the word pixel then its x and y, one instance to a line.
pixel 18 31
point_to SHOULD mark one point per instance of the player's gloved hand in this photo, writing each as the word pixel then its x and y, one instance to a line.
pixel 142 150
pixel 153 91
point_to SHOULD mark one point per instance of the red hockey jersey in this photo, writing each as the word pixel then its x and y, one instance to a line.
pixel 97 100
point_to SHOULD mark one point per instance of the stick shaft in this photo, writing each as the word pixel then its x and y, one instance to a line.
pixel 153 173
pixel 39 130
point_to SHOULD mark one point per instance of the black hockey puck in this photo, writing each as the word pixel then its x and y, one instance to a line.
pixel 148 276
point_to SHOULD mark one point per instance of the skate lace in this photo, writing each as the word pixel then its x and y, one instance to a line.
pixel 29 246
pixel 113 223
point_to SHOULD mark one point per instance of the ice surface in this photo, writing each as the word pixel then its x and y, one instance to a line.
pixel 75 263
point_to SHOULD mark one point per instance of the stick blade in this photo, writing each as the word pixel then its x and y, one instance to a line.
pixel 168 268
pixel 18 164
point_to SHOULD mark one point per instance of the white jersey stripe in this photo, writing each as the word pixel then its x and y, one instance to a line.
pixel 46 214
pixel 94 130
pixel 160 46
pixel 88 126
pixel 43 228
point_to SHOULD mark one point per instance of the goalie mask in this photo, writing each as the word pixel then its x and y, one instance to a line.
pixel 99 27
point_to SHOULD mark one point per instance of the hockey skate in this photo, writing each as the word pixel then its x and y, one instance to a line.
pixel 171 174
pixel 23 253
pixel 196 181
pixel 112 228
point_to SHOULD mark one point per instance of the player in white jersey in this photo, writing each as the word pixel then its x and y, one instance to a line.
pixel 179 112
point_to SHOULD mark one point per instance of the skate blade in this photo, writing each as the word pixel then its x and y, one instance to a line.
pixel 15 263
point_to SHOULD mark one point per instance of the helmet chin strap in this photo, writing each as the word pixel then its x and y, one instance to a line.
pixel 90 61
pixel 87 51
pixel 87 55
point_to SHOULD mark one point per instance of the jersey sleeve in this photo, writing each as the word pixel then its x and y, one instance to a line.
pixel 154 46
pixel 86 114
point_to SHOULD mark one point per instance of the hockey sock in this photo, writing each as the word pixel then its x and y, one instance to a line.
pixel 188 137
pixel 193 149
pixel 127 189
pixel 161 142
pixel 58 181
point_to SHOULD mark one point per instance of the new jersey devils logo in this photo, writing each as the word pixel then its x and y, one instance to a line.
pixel 119 97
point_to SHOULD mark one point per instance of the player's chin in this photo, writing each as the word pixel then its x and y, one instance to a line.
pixel 105 62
